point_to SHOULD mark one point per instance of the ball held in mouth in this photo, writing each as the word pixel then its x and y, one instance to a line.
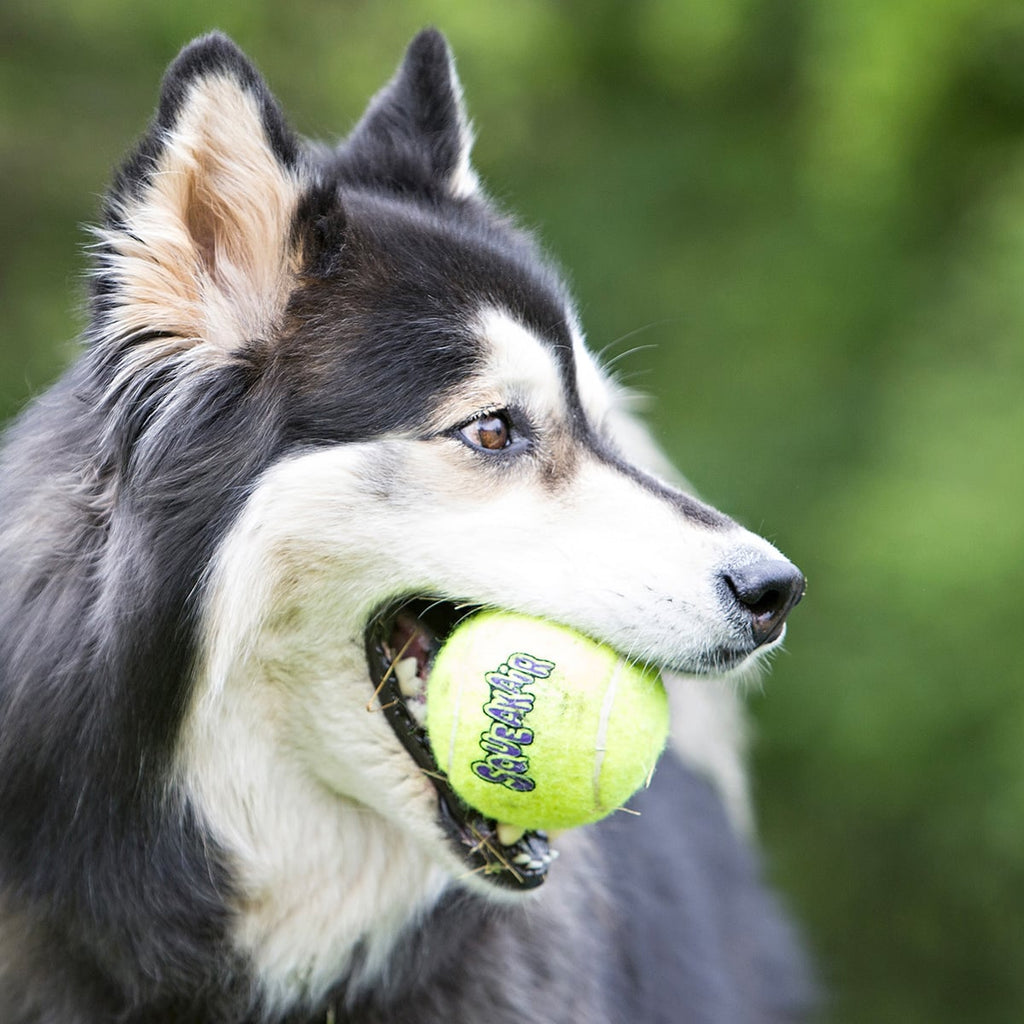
pixel 538 726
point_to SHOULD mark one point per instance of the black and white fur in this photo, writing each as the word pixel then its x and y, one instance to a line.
pixel 273 434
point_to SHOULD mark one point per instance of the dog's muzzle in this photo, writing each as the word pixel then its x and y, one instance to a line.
pixel 403 637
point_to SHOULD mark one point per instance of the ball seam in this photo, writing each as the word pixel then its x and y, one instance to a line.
pixel 601 739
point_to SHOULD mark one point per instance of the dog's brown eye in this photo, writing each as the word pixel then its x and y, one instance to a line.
pixel 491 432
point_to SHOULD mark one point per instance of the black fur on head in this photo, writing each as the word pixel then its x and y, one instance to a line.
pixel 414 139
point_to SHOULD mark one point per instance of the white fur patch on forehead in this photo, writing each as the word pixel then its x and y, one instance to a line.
pixel 598 393
pixel 200 254
pixel 519 366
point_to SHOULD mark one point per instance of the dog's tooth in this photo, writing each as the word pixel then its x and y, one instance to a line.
pixel 522 859
pixel 535 865
pixel 406 674
pixel 509 835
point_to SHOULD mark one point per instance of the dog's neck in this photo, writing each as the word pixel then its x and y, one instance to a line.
pixel 323 886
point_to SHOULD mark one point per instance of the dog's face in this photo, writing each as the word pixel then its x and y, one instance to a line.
pixel 435 438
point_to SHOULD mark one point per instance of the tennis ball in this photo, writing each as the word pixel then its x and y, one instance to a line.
pixel 538 726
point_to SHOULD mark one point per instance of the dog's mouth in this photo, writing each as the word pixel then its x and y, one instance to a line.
pixel 401 642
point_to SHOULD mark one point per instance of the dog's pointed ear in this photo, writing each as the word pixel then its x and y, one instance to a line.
pixel 415 137
pixel 198 251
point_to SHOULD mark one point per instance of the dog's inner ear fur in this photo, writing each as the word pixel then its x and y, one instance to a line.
pixel 198 246
pixel 414 138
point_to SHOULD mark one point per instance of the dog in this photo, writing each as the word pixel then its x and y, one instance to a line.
pixel 330 402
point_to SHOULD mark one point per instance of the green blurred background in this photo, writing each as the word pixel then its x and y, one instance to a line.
pixel 808 220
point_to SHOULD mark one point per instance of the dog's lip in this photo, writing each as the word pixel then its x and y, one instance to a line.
pixel 724 659
pixel 721 661
pixel 520 865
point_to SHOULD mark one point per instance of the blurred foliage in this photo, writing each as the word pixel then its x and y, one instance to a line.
pixel 800 227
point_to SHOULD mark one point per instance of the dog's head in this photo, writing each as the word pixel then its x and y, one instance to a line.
pixel 379 390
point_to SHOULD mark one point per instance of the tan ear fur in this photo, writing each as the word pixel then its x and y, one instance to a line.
pixel 201 254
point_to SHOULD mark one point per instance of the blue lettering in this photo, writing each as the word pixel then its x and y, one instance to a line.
pixel 493 745
pixel 536 667
pixel 523 737
pixel 519 783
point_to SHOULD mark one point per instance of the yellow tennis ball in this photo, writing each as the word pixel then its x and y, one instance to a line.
pixel 538 726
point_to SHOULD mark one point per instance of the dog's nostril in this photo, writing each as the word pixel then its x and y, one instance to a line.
pixel 766 591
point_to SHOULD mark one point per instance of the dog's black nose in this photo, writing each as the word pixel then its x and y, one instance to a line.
pixel 766 591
